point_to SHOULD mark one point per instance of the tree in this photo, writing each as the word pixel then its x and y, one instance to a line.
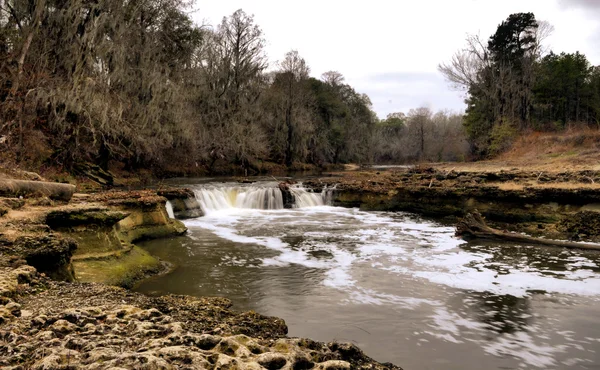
pixel 562 89
pixel 290 102
pixel 233 62
pixel 333 78
pixel 498 77
pixel 419 122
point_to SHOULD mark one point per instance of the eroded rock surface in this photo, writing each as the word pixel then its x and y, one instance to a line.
pixel 93 326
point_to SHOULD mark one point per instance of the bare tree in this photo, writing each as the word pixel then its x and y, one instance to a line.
pixel 333 78
pixel 464 68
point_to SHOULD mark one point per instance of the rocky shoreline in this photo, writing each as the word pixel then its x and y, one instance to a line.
pixel 50 319
pixel 557 205
pixel 58 325
pixel 60 261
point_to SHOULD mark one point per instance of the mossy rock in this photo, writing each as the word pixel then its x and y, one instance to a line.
pixel 138 233
pixel 93 241
pixel 122 270
pixel 69 217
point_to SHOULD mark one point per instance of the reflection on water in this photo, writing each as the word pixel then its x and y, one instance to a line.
pixel 403 289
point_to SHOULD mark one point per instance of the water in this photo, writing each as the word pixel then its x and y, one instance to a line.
pixel 402 288
pixel 169 208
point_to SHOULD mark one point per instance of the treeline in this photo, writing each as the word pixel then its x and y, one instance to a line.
pixel 513 84
pixel 138 83
pixel 421 135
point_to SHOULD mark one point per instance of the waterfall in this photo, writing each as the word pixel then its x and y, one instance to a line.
pixel 169 208
pixel 217 198
pixel 268 196
pixel 306 198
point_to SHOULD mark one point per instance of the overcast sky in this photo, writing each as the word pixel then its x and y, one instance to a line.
pixel 390 49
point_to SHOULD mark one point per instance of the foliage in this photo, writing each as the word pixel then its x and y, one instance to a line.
pixel 501 138
pixel 510 82
pixel 138 83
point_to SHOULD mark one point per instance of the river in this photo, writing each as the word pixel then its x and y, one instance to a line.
pixel 399 286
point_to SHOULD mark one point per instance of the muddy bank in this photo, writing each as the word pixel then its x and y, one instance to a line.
pixel 562 205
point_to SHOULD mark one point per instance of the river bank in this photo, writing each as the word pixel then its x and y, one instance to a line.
pixel 557 205
pixel 59 307
pixel 61 259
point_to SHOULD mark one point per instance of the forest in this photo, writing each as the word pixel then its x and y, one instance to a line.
pixel 137 84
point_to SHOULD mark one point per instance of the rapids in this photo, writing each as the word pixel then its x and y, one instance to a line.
pixel 402 288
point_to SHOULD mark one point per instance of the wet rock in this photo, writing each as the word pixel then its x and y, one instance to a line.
pixel 347 351
pixel 289 200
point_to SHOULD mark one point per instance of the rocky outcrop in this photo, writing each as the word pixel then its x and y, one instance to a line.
pixel 92 326
pixel 48 253
pixel 83 215
pixel 183 201
pixel 94 173
pixel 147 220
pixel 540 204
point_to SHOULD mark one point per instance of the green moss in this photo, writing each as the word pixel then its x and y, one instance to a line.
pixel 123 270
pixel 173 227
pixel 95 241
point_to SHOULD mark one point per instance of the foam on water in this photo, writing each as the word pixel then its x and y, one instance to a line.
pixel 398 248
pixel 425 250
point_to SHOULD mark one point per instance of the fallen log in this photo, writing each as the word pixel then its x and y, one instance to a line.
pixel 53 190
pixel 473 226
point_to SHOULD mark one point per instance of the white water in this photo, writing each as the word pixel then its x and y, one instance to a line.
pixel 266 196
pixel 169 208
pixel 306 198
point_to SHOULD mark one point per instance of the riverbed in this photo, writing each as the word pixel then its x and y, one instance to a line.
pixel 399 286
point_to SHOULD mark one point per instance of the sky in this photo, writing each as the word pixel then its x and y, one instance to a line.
pixel 390 50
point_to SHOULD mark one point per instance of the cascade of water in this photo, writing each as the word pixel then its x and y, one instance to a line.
pixel 215 198
pixel 218 198
pixel 169 208
pixel 306 198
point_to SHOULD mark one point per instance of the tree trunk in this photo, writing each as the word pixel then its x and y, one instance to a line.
pixel 474 226
pixel 37 15
pixel 53 190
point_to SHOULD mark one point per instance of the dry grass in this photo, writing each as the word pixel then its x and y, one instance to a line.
pixel 511 185
pixel 572 150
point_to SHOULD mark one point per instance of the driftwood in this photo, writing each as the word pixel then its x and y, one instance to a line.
pixel 473 226
pixel 53 190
